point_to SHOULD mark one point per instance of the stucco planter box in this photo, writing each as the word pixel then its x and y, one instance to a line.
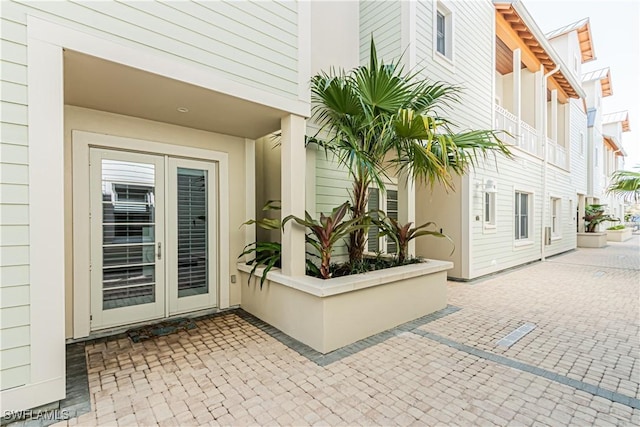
pixel 592 240
pixel 329 314
pixel 619 235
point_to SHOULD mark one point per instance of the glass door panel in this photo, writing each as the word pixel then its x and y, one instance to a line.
pixel 127 268
pixel 192 231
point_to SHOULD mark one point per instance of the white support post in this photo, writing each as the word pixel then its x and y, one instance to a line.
pixel 250 189
pixel 554 115
pixel 517 93
pixel 407 206
pixel 293 155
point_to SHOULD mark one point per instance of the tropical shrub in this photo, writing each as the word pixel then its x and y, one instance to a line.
pixel 594 216
pixel 626 184
pixel 402 234
pixel 326 232
pixel 381 119
pixel 616 227
pixel 268 254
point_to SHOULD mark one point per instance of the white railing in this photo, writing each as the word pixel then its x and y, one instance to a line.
pixel 556 154
pixel 527 139
pixel 507 122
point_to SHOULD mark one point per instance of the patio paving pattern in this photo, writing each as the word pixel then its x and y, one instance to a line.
pixel 579 365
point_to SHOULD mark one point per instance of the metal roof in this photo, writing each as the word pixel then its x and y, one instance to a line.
pixel 619 116
pixel 604 75
pixel 584 37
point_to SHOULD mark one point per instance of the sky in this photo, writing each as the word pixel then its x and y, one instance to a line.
pixel 616 39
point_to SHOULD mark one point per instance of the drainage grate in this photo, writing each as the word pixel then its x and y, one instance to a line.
pixel 514 336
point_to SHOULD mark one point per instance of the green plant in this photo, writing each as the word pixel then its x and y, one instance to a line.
pixel 616 227
pixel 380 118
pixel 268 254
pixel 402 234
pixel 626 184
pixel 326 232
pixel 594 215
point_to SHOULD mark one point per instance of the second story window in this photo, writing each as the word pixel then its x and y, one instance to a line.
pixel 440 34
pixel 443 32
pixel 522 215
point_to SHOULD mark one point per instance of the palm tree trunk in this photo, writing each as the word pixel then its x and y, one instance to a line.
pixel 360 200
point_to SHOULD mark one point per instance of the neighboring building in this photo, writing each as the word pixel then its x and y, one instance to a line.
pixel 613 125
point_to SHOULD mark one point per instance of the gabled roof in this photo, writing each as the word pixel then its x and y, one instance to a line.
pixel 525 28
pixel 604 75
pixel 620 116
pixel 584 37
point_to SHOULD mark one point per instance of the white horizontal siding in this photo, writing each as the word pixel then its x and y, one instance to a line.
pixel 253 43
pixel 472 69
pixel 382 20
pixel 14 357
pixel 14 337
pixel 14 296
pixel 14 235
pixel 13 134
pixel 578 125
pixel 14 377
pixel 496 250
pixel 14 276
pixel 14 194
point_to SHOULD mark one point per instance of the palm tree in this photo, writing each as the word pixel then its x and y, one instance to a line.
pixel 626 184
pixel 380 120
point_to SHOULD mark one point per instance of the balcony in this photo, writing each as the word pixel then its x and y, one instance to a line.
pixel 527 140
pixel 557 155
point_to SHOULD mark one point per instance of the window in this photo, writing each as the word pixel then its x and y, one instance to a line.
pixel 522 215
pixel 387 202
pixel 556 226
pixel 443 32
pixel 582 143
pixel 597 163
pixel 575 64
pixel 440 33
pixel 489 209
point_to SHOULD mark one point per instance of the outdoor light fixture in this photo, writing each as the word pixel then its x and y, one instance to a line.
pixel 488 186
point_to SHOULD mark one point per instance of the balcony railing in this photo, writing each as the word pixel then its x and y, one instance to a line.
pixel 527 139
pixel 557 155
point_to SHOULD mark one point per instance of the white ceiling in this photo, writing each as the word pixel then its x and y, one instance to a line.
pixel 94 83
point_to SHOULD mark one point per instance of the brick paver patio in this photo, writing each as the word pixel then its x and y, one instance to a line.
pixel 580 365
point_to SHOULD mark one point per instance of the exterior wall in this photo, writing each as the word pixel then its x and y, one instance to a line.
pixel 77 118
pixel 568 46
pixel 472 68
pixel 382 21
pixel 579 154
pixel 260 45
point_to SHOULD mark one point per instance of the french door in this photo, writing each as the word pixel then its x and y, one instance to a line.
pixel 153 236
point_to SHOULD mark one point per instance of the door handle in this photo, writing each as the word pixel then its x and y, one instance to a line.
pixel 159 250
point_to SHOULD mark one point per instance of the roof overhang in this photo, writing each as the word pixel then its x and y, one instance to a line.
pixel 516 27
pixel 611 142
pixel 583 31
pixel 621 117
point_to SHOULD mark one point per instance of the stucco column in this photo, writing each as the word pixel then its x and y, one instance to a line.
pixel 293 156
pixel 581 205
pixel 517 94
pixel 407 206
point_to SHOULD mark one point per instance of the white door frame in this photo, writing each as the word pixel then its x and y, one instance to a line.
pixel 81 142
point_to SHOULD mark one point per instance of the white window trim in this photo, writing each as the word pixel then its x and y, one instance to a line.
pixel 582 143
pixel 559 219
pixel 529 241
pixel 491 226
pixel 447 9
pixel 382 203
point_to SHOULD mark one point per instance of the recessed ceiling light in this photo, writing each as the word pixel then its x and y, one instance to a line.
pixel 183 109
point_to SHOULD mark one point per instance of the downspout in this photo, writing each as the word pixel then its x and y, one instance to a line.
pixel 545 160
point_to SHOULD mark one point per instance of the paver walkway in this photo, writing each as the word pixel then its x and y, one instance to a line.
pixel 579 365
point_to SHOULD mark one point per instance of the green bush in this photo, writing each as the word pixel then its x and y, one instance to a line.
pixel 616 227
